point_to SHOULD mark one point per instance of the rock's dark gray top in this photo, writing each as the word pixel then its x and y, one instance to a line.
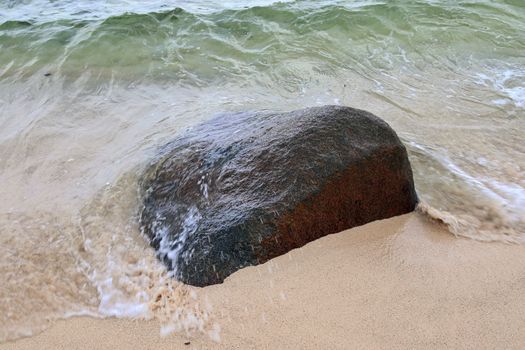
pixel 243 188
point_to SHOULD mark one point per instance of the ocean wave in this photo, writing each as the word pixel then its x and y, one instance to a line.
pixel 203 48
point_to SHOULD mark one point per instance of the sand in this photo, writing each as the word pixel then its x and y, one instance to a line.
pixel 401 283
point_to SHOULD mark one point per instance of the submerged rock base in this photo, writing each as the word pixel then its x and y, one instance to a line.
pixel 243 188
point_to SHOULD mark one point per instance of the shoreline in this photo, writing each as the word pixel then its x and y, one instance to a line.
pixel 403 282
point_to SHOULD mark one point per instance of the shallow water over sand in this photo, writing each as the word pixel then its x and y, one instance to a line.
pixel 87 94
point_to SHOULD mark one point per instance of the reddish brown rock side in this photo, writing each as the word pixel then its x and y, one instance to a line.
pixel 376 188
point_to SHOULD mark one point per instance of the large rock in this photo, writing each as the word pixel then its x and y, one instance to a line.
pixel 243 188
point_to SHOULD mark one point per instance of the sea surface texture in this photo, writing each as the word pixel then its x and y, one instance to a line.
pixel 90 89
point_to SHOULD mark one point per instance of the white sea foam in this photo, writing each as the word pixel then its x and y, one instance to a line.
pixel 496 212
pixel 510 83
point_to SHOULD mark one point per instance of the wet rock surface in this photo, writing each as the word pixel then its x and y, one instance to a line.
pixel 243 188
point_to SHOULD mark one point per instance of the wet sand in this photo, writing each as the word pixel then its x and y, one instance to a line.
pixel 399 283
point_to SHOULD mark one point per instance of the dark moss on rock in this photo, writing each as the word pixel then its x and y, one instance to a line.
pixel 243 188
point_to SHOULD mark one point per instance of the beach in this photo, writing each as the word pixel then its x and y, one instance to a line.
pixel 93 93
pixel 400 283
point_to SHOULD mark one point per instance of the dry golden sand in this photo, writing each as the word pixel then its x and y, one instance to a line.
pixel 401 283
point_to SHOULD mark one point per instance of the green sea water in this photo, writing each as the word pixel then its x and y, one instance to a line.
pixel 236 45
pixel 90 89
